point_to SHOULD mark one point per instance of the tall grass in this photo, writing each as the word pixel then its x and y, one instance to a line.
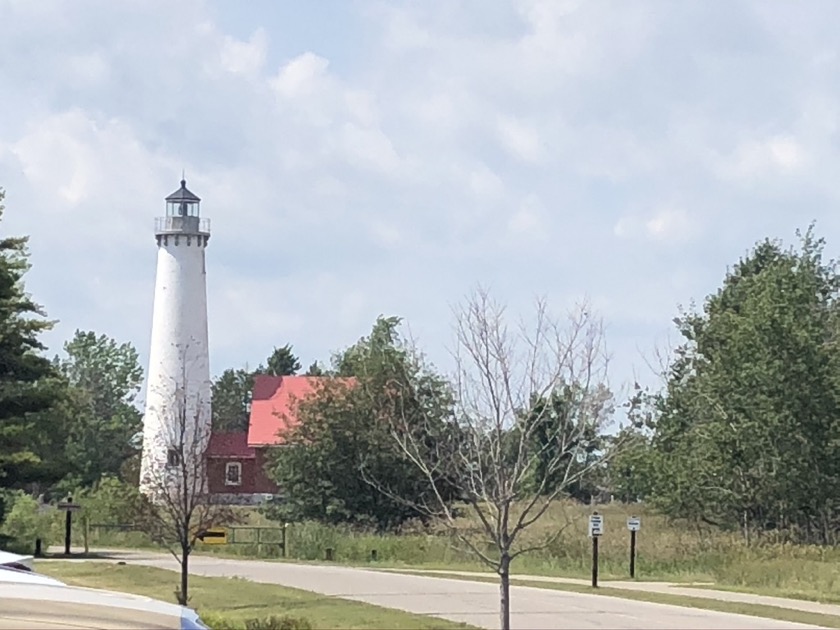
pixel 666 550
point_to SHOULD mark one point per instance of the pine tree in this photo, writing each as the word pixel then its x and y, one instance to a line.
pixel 27 383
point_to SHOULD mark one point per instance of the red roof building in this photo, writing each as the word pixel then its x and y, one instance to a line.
pixel 236 461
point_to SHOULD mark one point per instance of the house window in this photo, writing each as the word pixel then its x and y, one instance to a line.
pixel 233 474
pixel 173 458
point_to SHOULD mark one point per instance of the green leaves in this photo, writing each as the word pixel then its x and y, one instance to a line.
pixel 231 392
pixel 746 429
pixel 342 454
pixel 103 378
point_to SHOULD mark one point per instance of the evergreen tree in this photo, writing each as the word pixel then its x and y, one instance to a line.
pixel 28 386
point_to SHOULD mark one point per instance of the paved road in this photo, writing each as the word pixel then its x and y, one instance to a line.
pixel 668 588
pixel 475 603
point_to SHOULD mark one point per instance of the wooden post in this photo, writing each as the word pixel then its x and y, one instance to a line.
pixel 68 528
pixel 633 553
pixel 595 562
pixel 86 532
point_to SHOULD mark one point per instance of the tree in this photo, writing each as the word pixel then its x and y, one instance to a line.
pixel 507 454
pixel 315 370
pixel 747 428
pixel 178 507
pixel 231 394
pixel 281 362
pixel 564 414
pixel 106 376
pixel 232 390
pixel 342 438
pixel 27 381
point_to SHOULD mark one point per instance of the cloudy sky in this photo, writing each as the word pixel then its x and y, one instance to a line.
pixel 372 157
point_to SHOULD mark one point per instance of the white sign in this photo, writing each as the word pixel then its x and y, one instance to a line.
pixel 596 525
pixel 634 523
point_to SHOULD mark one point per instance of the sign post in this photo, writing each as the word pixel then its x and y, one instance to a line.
pixel 634 524
pixel 69 507
pixel 596 530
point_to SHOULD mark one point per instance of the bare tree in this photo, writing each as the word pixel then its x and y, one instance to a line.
pixel 507 452
pixel 179 507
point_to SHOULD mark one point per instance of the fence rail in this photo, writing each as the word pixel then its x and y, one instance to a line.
pixel 236 535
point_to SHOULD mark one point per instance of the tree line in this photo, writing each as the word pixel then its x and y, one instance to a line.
pixel 741 434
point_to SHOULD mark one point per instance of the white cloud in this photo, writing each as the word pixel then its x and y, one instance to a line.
pixel 369 148
pixel 668 224
pixel 485 184
pixel 302 76
pixel 521 139
pixel 430 146
pixel 246 58
pixel 528 220
pixel 768 158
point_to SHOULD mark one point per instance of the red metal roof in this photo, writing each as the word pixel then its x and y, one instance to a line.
pixel 234 445
pixel 273 405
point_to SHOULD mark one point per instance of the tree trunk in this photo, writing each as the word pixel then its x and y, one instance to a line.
pixel 183 594
pixel 504 591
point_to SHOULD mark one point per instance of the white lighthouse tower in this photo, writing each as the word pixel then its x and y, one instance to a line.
pixel 177 420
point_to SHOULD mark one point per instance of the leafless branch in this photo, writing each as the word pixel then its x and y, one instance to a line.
pixel 530 403
pixel 179 506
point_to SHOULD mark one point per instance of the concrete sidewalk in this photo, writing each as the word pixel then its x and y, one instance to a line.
pixel 669 588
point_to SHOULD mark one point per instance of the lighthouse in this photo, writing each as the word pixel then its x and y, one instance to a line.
pixel 177 419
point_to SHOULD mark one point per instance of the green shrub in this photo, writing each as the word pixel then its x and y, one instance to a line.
pixel 215 621
pixel 110 502
pixel 276 622
pixel 25 522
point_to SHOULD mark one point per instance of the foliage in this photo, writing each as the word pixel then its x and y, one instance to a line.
pixel 231 400
pixel 111 501
pixel 232 390
pixel 564 432
pixel 315 370
pixel 281 362
pixel 529 405
pixel 25 522
pixel 342 440
pixel 27 389
pixel 746 432
pixel 104 378
pixel 278 622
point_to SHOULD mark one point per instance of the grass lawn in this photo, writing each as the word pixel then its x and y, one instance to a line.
pixel 756 610
pixel 235 600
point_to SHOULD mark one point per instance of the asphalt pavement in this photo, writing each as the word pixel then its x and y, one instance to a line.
pixel 475 603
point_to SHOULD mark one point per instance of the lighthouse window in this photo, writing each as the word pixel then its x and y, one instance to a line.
pixel 233 474
pixel 173 457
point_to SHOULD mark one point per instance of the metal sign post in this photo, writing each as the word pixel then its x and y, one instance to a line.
pixel 634 524
pixel 596 530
